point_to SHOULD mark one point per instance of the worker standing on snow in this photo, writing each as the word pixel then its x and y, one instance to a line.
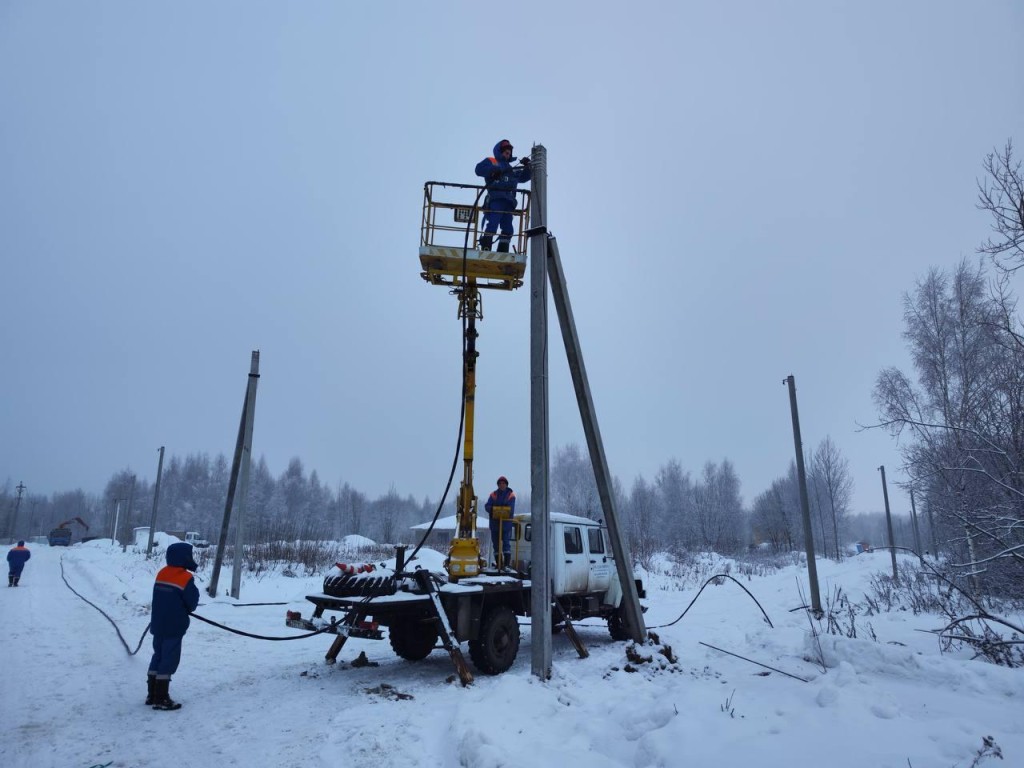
pixel 175 596
pixel 501 181
pixel 502 497
pixel 16 560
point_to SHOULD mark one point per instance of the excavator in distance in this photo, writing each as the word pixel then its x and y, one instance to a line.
pixel 61 535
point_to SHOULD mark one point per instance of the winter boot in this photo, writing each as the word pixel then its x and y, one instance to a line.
pixel 163 697
pixel 503 245
pixel 10 580
pixel 16 580
pixel 485 243
pixel 150 692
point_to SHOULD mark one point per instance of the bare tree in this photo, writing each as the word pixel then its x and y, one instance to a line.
pixel 833 484
pixel 1001 193
pixel 964 421
pixel 643 515
pixel 573 487
pixel 774 513
pixel 351 508
pixel 675 497
pixel 718 513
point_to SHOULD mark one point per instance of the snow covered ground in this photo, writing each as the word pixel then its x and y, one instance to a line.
pixel 73 697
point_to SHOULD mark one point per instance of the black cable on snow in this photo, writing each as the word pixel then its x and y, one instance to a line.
pixel 717 576
pixel 112 622
pixel 773 669
pixel 261 637
pixel 363 602
pixel 208 621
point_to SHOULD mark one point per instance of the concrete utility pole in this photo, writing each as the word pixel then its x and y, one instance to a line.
pixel 917 531
pixel 117 520
pixel 632 613
pixel 931 527
pixel 126 533
pixel 805 507
pixel 222 541
pixel 156 501
pixel 17 505
pixel 540 577
pixel 888 523
pixel 250 417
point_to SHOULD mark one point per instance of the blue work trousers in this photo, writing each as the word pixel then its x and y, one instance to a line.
pixel 166 655
pixel 499 213
pixel 506 538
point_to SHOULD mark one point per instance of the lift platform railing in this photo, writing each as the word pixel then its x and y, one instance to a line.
pixel 449 207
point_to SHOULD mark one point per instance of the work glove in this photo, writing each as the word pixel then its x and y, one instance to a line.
pixel 525 161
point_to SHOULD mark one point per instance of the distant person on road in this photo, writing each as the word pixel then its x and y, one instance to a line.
pixel 16 560
pixel 175 596
pixel 502 497
pixel 501 180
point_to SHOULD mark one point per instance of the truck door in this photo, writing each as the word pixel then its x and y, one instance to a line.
pixel 600 563
pixel 576 569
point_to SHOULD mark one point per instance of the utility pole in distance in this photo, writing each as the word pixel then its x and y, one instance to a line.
pixel 156 501
pixel 805 507
pixel 17 505
pixel 888 523
pixel 917 531
pixel 127 525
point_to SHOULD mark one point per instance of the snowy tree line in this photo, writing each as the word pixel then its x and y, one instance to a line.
pixel 675 511
pixel 193 493
pixel 679 512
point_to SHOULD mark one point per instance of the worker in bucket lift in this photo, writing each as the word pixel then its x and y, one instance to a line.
pixel 502 497
pixel 175 596
pixel 501 181
pixel 16 559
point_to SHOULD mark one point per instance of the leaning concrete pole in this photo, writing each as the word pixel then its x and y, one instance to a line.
pixel 156 501
pixel 236 462
pixel 633 613
pixel 243 491
pixel 888 524
pixel 805 507
pixel 540 578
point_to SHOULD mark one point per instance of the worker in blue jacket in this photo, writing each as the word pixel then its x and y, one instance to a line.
pixel 175 596
pixel 502 497
pixel 16 560
pixel 501 182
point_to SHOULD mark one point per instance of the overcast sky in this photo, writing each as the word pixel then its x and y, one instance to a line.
pixel 740 191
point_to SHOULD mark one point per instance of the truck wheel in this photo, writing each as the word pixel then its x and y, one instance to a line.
pixel 412 640
pixel 617 626
pixel 496 647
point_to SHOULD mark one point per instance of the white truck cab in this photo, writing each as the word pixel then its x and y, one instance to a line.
pixel 582 562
